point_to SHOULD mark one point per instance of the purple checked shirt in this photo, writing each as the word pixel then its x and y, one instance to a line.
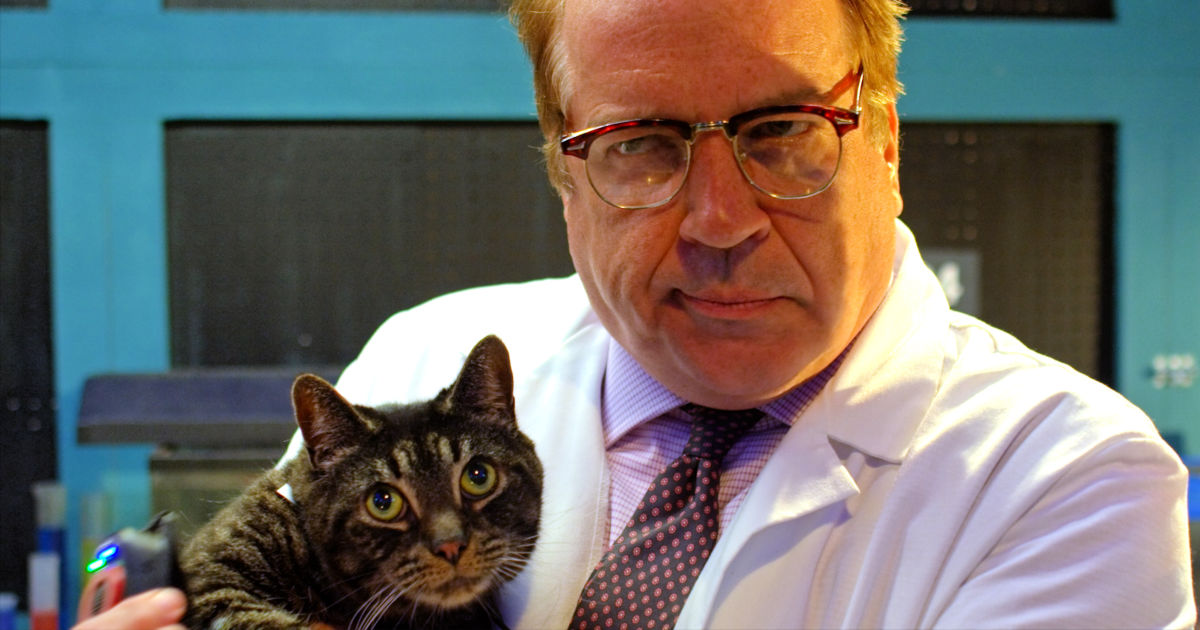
pixel 644 430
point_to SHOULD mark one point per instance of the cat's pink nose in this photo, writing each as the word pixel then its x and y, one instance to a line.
pixel 450 550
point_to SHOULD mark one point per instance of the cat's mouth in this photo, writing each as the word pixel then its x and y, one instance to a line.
pixel 472 583
pixel 456 591
pixel 450 585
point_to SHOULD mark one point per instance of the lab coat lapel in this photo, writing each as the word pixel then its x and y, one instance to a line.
pixel 802 477
pixel 558 407
pixel 883 390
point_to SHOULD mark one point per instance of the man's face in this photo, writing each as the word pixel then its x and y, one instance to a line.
pixel 725 295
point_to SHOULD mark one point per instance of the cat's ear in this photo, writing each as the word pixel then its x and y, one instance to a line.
pixel 329 424
pixel 485 385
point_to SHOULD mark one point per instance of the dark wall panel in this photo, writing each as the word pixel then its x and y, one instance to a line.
pixel 1102 9
pixel 1033 203
pixel 290 243
pixel 27 408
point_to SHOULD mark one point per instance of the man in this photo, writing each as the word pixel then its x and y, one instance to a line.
pixel 915 468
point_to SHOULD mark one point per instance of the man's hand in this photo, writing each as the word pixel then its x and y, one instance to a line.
pixel 159 609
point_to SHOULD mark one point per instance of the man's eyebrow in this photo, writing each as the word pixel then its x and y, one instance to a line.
pixel 801 96
pixel 806 95
pixel 609 115
pixel 811 95
pixel 816 96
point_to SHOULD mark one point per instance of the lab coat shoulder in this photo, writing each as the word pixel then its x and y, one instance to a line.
pixel 998 392
pixel 1076 514
pixel 418 351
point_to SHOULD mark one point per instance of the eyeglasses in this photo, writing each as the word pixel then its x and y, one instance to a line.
pixel 785 151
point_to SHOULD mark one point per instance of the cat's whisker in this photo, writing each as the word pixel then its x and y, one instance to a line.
pixel 384 601
pixel 371 610
pixel 502 576
pixel 412 581
pixel 363 611
pixel 354 578
pixel 351 592
pixel 367 615
pixel 360 614
pixel 492 610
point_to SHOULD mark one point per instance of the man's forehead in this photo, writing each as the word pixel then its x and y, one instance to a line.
pixel 763 20
pixel 622 64
pixel 647 35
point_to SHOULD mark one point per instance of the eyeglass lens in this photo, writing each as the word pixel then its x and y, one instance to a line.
pixel 638 166
pixel 790 155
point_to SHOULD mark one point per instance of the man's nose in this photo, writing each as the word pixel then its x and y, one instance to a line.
pixel 722 206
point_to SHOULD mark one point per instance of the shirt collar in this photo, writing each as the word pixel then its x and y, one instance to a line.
pixel 632 397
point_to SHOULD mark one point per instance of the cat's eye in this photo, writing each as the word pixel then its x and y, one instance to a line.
pixel 385 503
pixel 478 479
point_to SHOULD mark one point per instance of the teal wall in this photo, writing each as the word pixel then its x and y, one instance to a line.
pixel 106 75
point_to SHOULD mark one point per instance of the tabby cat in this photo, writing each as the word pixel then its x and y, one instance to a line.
pixel 405 516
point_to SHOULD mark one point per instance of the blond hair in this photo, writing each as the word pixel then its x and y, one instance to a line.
pixel 875 34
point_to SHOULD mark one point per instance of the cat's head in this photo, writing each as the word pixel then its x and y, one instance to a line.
pixel 435 503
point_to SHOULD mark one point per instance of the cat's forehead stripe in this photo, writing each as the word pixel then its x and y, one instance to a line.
pixel 441 445
pixel 405 458
pixel 386 467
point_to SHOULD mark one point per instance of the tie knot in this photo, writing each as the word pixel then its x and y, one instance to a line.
pixel 715 431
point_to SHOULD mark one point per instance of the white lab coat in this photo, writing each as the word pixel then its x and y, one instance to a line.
pixel 947 476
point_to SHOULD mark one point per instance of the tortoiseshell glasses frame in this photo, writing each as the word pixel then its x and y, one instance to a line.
pixel 785 151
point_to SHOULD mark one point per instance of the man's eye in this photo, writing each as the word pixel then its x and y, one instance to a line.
pixel 649 144
pixel 778 129
pixel 641 145
pixel 630 147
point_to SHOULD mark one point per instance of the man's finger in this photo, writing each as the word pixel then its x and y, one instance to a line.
pixel 159 609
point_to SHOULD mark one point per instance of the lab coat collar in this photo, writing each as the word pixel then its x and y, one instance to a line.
pixel 876 401
pixel 575 489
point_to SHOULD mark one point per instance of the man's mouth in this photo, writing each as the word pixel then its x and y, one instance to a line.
pixel 727 304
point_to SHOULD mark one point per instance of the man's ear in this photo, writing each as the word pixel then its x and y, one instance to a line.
pixel 567 190
pixel 891 154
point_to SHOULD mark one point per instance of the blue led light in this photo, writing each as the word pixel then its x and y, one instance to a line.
pixel 104 555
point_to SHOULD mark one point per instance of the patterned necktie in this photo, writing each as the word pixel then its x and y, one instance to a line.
pixel 643 581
